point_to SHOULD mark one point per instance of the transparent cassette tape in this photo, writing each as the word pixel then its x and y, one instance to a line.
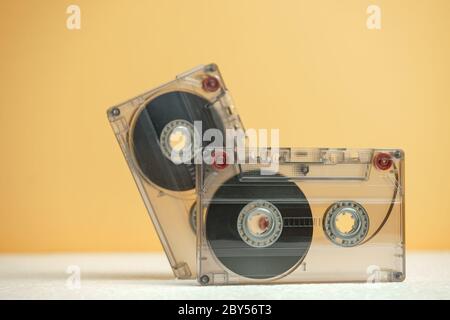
pixel 156 132
pixel 305 216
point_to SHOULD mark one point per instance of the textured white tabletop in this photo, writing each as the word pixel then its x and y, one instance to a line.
pixel 148 276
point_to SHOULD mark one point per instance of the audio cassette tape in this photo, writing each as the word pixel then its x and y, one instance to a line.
pixel 322 215
pixel 156 133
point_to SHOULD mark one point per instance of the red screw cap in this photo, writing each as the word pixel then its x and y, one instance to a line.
pixel 219 160
pixel 210 84
pixel 383 161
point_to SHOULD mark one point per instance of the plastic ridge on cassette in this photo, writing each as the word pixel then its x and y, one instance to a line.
pixel 325 215
pixel 155 127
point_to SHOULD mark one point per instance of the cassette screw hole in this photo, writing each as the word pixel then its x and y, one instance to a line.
pixel 398 275
pixel 115 112
pixel 211 68
pixel 219 160
pixel 204 280
pixel 304 169
pixel 383 161
pixel 210 84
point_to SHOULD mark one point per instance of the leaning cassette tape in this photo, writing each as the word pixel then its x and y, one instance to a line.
pixel 156 132
pixel 308 215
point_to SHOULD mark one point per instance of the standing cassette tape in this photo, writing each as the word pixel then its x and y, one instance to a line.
pixel 156 134
pixel 325 215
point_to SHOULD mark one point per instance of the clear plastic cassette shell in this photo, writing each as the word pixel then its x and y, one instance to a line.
pixel 322 215
pixel 142 126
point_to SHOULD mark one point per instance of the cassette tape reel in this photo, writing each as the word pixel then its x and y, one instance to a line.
pixel 326 215
pixel 156 133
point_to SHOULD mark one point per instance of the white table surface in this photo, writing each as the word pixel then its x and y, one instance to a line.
pixel 148 276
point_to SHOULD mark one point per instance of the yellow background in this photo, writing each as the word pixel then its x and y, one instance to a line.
pixel 310 68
